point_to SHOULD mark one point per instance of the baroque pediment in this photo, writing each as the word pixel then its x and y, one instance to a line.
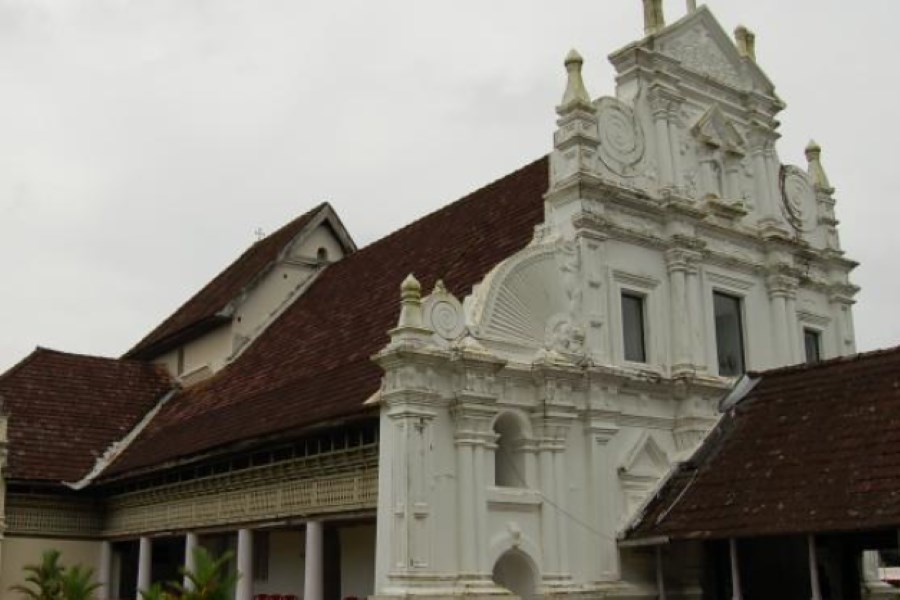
pixel 700 43
pixel 715 129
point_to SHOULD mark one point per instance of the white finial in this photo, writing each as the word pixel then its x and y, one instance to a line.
pixel 692 5
pixel 411 301
pixel 746 42
pixel 816 170
pixel 654 20
pixel 576 94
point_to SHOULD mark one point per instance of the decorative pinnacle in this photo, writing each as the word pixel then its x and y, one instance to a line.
pixel 576 94
pixel 411 305
pixel 691 5
pixel 816 171
pixel 410 289
pixel 654 20
pixel 439 287
pixel 746 42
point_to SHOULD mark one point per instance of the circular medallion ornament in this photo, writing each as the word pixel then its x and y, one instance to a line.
pixel 621 137
pixel 798 198
pixel 444 315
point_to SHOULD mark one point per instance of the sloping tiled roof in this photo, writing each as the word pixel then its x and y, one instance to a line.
pixel 812 449
pixel 66 409
pixel 203 308
pixel 314 363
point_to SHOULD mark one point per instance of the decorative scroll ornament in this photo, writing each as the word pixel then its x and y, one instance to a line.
pixel 444 314
pixel 621 137
pixel 798 198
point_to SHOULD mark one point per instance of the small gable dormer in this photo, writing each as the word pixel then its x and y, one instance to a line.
pixel 224 317
pixel 640 471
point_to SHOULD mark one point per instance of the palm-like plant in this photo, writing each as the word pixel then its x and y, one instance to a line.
pixel 209 580
pixel 44 581
pixel 77 583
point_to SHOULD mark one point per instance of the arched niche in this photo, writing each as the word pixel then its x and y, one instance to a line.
pixel 516 572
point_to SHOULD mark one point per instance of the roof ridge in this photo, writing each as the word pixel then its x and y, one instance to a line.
pixel 859 356
pixel 446 207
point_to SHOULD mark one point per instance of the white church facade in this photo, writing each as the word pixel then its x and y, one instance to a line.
pixel 480 403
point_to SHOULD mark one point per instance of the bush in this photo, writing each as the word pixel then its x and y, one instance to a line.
pixel 209 581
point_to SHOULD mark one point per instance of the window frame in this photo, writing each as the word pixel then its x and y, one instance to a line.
pixel 654 337
pixel 819 336
pixel 641 298
pixel 741 301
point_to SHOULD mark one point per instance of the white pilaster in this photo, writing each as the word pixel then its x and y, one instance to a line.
pixel 244 589
pixel 660 106
pixel 562 522
pixel 104 571
pixel 465 457
pixel 548 513
pixel 312 580
pixel 481 532
pixel 600 474
pixel 815 591
pixel 735 571
pixel 145 560
pixel 190 563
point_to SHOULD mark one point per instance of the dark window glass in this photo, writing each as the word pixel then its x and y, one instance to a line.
pixel 729 334
pixel 812 340
pixel 633 327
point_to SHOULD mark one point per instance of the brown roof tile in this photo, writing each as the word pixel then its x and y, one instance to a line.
pixel 203 308
pixel 811 449
pixel 313 364
pixel 66 409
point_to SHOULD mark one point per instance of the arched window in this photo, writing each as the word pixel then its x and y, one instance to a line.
pixel 322 255
pixel 509 459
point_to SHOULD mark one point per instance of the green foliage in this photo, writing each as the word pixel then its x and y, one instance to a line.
pixel 209 580
pixel 50 580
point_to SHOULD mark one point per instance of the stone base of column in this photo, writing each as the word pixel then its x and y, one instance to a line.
pixel 878 590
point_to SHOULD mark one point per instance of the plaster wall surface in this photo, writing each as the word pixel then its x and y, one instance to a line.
pixel 286 564
pixel 357 561
pixel 17 552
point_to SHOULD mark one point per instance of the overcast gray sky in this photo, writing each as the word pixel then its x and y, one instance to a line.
pixel 142 142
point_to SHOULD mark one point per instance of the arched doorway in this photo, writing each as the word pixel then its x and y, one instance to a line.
pixel 514 571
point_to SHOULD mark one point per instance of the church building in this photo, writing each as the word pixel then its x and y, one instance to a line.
pixel 478 404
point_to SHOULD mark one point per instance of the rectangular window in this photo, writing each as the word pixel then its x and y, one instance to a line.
pixel 729 334
pixel 633 327
pixel 812 341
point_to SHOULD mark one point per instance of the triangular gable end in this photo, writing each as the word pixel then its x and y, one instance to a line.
pixel 702 45
pixel 646 459
pixel 716 129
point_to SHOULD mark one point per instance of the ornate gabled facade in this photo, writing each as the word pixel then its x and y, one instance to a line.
pixel 531 419
pixel 564 338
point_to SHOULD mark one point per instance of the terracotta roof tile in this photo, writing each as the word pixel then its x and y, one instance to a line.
pixel 66 409
pixel 811 449
pixel 203 308
pixel 314 363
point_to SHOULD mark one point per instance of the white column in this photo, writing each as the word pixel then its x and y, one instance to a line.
pixel 660 577
pixel 244 589
pixel 104 571
pixel 312 580
pixel 735 571
pixel 815 592
pixel 695 314
pixel 145 560
pixel 190 564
